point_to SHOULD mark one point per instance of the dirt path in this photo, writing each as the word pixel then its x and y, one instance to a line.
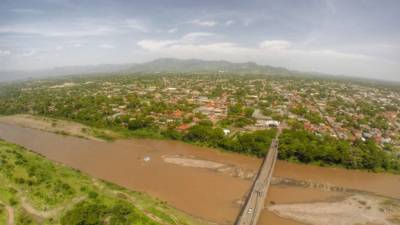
pixel 50 213
pixel 130 199
pixel 10 212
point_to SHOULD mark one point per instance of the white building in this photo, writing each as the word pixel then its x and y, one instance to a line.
pixel 226 131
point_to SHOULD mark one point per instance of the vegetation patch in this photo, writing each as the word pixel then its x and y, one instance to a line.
pixel 301 146
pixel 43 192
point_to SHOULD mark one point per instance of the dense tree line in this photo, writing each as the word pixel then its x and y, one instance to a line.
pixel 302 146
pixel 252 143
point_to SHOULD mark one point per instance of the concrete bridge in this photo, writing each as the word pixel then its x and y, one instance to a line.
pixel 254 203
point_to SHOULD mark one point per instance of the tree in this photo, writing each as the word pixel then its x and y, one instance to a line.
pixel 207 134
pixel 85 214
pixel 140 122
pixel 235 109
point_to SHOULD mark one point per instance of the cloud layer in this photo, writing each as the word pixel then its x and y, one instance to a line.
pixel 274 52
pixel 359 38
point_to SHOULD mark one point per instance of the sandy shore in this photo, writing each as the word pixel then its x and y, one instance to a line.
pixel 192 162
pixel 355 209
pixel 57 126
pixel 232 170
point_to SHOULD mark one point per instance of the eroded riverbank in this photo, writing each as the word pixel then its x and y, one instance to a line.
pixel 205 190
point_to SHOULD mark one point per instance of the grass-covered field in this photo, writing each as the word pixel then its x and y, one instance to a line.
pixel 42 192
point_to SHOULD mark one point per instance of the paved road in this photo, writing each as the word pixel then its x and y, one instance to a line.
pixel 251 210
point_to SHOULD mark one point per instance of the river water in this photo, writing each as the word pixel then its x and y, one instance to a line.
pixel 201 192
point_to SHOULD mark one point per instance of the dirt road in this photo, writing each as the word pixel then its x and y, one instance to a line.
pixel 51 213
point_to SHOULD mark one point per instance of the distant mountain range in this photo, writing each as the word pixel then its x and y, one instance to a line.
pixel 60 71
pixel 156 66
pixel 197 65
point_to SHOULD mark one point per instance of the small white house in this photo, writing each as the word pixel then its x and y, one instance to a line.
pixel 226 131
pixel 272 123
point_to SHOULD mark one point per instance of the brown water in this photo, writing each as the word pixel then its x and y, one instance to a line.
pixel 200 192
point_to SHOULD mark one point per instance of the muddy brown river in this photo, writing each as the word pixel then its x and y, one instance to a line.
pixel 201 192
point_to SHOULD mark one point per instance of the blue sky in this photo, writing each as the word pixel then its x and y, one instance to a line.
pixel 352 37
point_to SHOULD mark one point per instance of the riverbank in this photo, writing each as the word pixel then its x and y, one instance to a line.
pixel 79 130
pixel 62 127
pixel 38 191
pixel 354 209
pixel 71 128
pixel 199 181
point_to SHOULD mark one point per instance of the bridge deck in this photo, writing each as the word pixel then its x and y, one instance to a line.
pixel 254 203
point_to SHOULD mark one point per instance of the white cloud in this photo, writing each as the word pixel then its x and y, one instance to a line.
pixel 204 23
pixel 187 39
pixel 277 53
pixel 275 44
pixel 193 49
pixel 196 36
pixel 155 45
pixel 211 23
pixel 4 52
pixel 77 45
pixel 60 31
pixel 172 30
pixel 29 53
pixel 106 46
pixel 229 23
pixel 59 48
pixel 132 24
pixel 26 11
pixel 194 44
pixel 75 28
